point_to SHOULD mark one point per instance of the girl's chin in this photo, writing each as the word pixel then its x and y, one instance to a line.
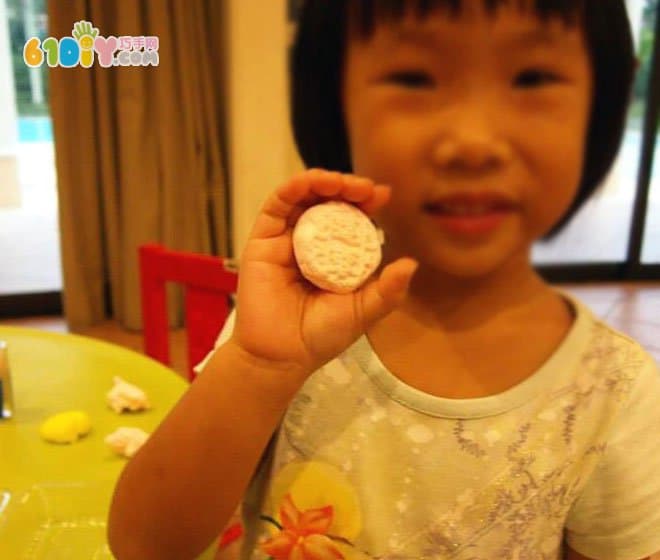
pixel 478 267
pixel 505 256
pixel 465 273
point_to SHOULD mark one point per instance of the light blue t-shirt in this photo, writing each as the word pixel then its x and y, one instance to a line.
pixel 365 466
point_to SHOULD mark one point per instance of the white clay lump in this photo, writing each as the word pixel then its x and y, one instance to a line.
pixel 337 246
pixel 126 441
pixel 126 397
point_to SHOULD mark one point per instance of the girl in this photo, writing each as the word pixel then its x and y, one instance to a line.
pixel 457 406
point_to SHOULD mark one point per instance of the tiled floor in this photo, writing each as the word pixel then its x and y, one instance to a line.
pixel 632 308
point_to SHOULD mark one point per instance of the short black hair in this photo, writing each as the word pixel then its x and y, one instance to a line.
pixel 316 68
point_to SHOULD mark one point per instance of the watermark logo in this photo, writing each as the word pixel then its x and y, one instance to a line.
pixel 85 44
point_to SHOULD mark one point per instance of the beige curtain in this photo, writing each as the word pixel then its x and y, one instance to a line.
pixel 139 150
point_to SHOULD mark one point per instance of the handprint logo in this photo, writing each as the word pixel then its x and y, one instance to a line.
pixel 85 33
pixel 84 42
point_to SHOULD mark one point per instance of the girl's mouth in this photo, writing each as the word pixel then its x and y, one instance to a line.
pixel 475 215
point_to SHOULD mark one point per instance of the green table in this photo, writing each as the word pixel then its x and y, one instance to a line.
pixel 54 498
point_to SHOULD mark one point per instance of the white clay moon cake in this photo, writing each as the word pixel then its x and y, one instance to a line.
pixel 337 246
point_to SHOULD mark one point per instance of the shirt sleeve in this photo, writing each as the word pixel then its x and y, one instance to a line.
pixel 224 335
pixel 617 516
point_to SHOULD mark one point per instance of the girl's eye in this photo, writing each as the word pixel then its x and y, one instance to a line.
pixel 411 79
pixel 534 78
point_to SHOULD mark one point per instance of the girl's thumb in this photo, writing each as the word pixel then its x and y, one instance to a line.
pixel 384 294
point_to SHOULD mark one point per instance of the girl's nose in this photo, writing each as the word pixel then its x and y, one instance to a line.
pixel 472 146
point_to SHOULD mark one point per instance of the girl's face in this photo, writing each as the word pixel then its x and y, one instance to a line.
pixel 478 124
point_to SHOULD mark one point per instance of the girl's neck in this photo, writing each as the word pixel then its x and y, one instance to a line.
pixel 465 302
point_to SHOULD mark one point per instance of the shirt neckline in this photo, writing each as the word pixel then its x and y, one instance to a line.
pixel 558 365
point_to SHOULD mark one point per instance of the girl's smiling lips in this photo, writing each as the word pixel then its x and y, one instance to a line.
pixel 471 213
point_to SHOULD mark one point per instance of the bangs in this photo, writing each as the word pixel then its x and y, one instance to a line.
pixel 366 13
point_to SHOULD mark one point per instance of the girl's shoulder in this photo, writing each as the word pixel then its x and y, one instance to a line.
pixel 602 339
pixel 609 360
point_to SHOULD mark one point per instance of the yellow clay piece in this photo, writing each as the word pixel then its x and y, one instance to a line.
pixel 66 427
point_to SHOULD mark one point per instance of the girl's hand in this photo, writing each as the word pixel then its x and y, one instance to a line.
pixel 283 319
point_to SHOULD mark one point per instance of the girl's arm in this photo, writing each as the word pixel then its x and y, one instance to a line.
pixel 183 485
pixel 174 496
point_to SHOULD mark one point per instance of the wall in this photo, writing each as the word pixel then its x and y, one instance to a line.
pixel 261 153
pixel 9 189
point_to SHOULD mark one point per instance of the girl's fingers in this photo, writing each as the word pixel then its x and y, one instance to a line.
pixel 316 186
pixel 381 296
pixel 286 204
pixel 310 184
pixel 356 189
pixel 369 201
pixel 379 197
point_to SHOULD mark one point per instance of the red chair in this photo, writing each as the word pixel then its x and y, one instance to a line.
pixel 208 285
